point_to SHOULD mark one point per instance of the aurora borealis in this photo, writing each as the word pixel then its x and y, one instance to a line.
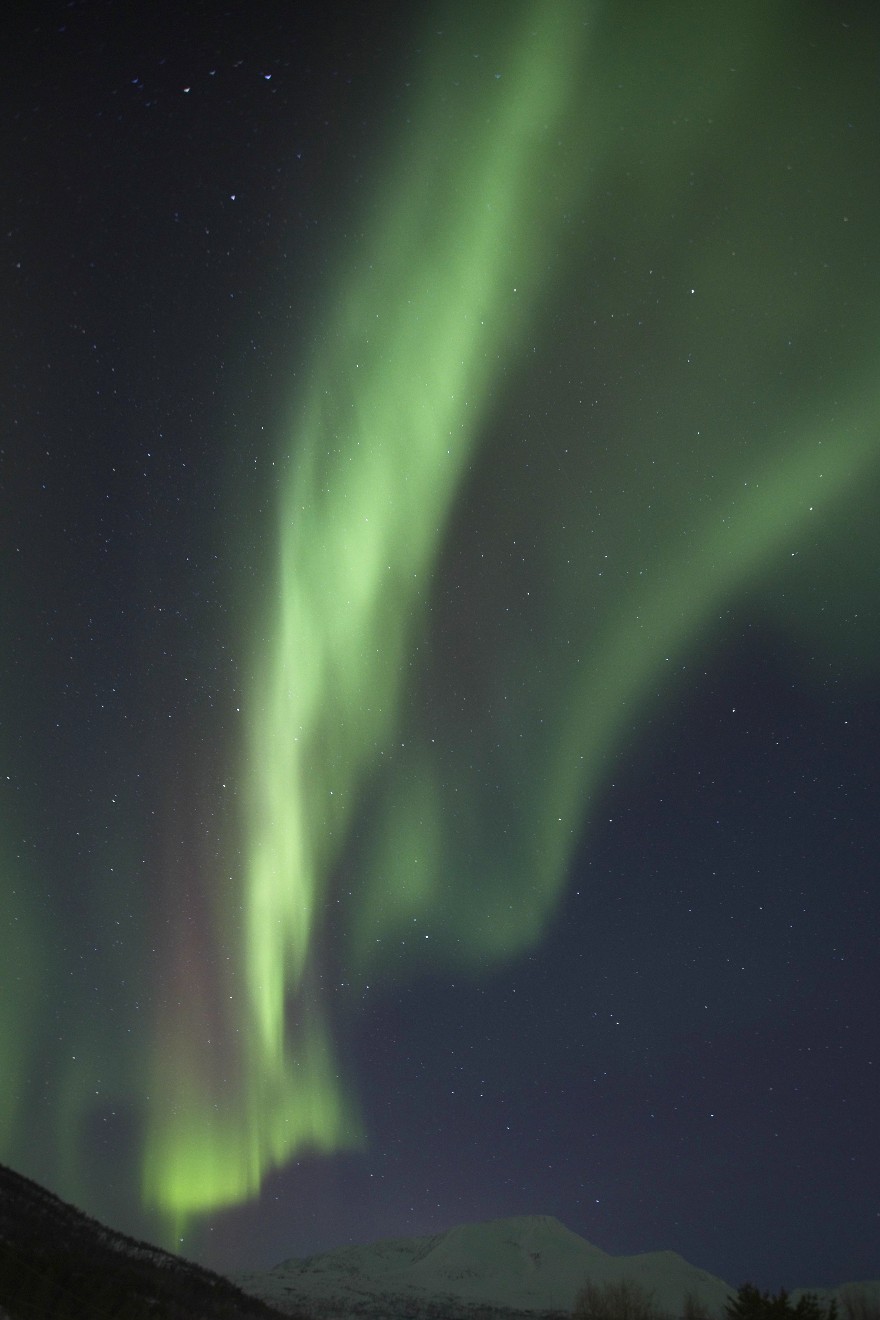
pixel 439 475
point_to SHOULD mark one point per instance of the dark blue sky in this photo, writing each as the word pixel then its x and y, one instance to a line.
pixel 682 1052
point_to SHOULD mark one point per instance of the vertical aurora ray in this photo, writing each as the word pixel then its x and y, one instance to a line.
pixel 422 322
pixel 425 315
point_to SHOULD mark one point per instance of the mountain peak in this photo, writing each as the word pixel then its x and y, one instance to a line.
pixel 524 1263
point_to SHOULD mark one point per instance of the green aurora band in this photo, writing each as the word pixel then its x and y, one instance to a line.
pixel 381 443
pixel 433 346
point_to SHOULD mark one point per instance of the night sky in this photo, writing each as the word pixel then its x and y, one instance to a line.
pixel 440 637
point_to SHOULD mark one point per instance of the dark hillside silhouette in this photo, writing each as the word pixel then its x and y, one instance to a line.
pixel 57 1262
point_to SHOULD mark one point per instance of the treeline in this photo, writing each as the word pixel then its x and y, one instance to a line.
pixel 628 1300
pixel 391 1306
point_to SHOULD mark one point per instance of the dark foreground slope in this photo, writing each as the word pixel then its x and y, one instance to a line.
pixel 57 1262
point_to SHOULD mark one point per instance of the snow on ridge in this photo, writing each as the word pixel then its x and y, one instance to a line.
pixel 531 1263
pixel 507 1258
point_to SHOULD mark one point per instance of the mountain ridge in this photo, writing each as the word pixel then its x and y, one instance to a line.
pixel 530 1264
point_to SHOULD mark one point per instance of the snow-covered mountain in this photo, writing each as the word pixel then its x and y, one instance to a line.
pixel 530 1264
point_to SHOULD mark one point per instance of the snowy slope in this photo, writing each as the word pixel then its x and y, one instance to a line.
pixel 530 1263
